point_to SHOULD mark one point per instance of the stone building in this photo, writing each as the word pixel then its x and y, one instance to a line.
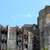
pixel 3 37
pixel 15 38
pixel 27 37
pixel 44 28
pixel 31 37
pixel 19 39
pixel 11 40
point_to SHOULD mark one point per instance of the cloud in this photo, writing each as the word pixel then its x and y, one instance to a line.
pixel 20 17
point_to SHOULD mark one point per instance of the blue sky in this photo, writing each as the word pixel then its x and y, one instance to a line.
pixel 19 12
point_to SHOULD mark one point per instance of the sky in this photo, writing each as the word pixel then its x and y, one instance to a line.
pixel 20 12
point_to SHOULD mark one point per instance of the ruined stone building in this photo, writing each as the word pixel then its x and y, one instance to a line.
pixel 44 28
pixel 15 38
pixel 31 37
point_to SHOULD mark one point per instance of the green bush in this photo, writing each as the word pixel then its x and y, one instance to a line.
pixel 45 49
